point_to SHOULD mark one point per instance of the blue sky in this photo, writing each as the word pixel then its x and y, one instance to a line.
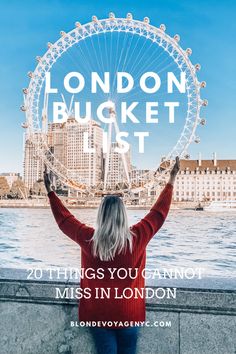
pixel 207 27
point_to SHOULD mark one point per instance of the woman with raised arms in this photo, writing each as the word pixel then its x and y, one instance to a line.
pixel 113 244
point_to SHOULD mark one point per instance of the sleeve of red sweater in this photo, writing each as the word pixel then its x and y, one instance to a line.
pixel 147 227
pixel 69 225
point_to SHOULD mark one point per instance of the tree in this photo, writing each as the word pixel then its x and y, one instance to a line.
pixel 18 189
pixel 39 188
pixel 4 187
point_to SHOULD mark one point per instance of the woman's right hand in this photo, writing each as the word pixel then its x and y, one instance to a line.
pixel 47 180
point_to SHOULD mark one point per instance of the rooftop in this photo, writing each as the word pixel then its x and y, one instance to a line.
pixel 211 165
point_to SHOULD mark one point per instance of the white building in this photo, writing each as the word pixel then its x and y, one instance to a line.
pixel 32 165
pixel 206 180
pixel 56 138
pixel 66 141
pixel 85 167
pixel 116 175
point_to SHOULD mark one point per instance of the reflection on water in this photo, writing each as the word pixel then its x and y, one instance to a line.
pixel 31 238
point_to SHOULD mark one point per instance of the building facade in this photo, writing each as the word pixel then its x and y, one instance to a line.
pixel 84 167
pixel 116 176
pixel 206 180
pixel 32 165
pixel 66 143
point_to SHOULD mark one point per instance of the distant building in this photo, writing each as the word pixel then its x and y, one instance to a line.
pixel 32 165
pixel 116 170
pixel 198 180
pixel 10 177
pixel 206 180
pixel 140 176
pixel 56 139
pixel 66 141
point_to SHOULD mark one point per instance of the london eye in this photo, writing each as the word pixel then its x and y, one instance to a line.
pixel 115 45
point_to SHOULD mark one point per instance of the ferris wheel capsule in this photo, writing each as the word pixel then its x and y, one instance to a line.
pixel 25 125
pixel 25 91
pixel 188 51
pixel 146 20
pixel 204 102
pixel 62 33
pixel 203 84
pixel 177 38
pixel 203 121
pixel 30 74
pixel 77 24
pixel 38 58
pixel 49 45
pixel 129 16
pixel 23 108
pixel 94 18
pixel 197 67
pixel 187 156
pixel 111 15
pixel 162 27
pixel 197 139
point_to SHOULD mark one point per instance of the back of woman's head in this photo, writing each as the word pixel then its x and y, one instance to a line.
pixel 112 233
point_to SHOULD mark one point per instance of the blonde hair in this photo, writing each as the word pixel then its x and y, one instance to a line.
pixel 112 233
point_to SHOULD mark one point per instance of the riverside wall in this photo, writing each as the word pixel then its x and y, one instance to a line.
pixel 32 321
pixel 43 204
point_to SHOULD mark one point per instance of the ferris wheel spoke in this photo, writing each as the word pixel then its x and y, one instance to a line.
pixel 142 67
pixel 119 60
pixel 78 64
pixel 89 67
pixel 106 52
pixel 133 60
pixel 128 54
pixel 110 56
pixel 133 51
pixel 100 64
pixel 86 64
pixel 137 57
pixel 115 65
pixel 136 88
pixel 89 56
pixel 150 64
pixel 100 52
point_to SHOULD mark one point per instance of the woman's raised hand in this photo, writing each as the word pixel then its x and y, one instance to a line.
pixel 47 180
pixel 174 171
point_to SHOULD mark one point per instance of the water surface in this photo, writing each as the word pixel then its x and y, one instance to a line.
pixel 31 238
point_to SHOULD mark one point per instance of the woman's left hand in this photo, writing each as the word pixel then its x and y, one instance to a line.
pixel 174 170
pixel 47 180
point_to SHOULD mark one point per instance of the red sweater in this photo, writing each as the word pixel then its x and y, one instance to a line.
pixel 113 308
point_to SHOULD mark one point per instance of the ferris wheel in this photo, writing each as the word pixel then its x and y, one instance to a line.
pixel 114 45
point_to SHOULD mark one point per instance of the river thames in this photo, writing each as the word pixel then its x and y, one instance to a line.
pixel 31 238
